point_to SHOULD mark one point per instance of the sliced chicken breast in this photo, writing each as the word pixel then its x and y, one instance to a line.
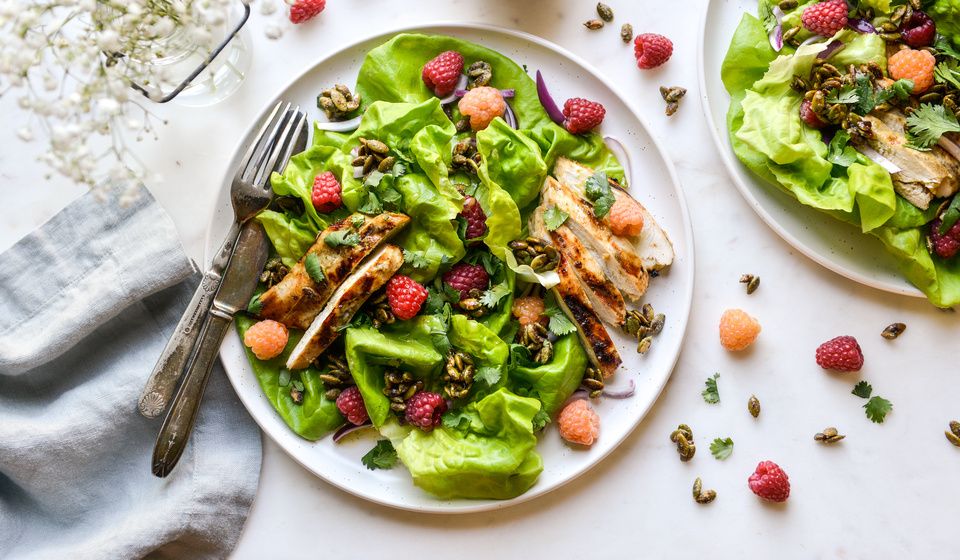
pixel 296 300
pixel 340 309
pixel 652 246
pixel 606 299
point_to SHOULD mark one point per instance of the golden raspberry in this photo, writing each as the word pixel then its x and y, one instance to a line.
pixel 528 309
pixel 482 105
pixel 915 65
pixel 266 339
pixel 626 219
pixel 579 423
pixel 737 329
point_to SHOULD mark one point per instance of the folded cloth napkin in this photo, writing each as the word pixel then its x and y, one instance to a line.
pixel 87 302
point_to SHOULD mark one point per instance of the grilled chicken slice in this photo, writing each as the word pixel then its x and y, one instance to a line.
pixel 923 176
pixel 606 299
pixel 296 300
pixel 349 297
pixel 652 246
pixel 621 262
pixel 573 301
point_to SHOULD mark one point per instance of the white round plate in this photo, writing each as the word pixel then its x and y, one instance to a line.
pixel 838 246
pixel 671 294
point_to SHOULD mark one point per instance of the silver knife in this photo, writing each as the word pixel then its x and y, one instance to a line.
pixel 239 282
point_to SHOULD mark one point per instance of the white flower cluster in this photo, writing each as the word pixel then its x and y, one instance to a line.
pixel 72 63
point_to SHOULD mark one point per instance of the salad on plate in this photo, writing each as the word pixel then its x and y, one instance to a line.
pixel 448 256
pixel 851 108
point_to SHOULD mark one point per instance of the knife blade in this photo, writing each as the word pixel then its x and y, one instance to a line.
pixel 239 282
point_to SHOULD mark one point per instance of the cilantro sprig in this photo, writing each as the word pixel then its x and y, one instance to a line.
pixel 711 395
pixel 927 124
pixel 721 448
pixel 382 456
pixel 877 409
pixel 598 191
pixel 559 324
pixel 554 217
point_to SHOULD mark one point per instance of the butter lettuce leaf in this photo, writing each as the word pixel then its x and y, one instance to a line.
pixel 555 381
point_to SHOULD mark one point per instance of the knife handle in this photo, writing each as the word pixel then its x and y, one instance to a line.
pixel 178 424
pixel 173 360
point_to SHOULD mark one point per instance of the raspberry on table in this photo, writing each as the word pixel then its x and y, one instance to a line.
pixel 825 18
pixel 808 116
pixel 302 10
pixel 579 423
pixel 919 30
pixel 424 410
pixel 405 296
pixel 651 50
pixel 443 72
pixel 482 105
pixel 948 244
pixel 350 404
pixel 626 218
pixel 326 194
pixel 842 353
pixel 915 65
pixel 475 216
pixel 528 309
pixel 582 115
pixel 738 330
pixel 266 339
pixel 469 279
pixel 770 482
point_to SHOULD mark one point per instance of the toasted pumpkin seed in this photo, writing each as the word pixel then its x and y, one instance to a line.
pixel 626 33
pixel 828 435
pixel 604 11
pixel 753 405
pixel 893 330
pixel 593 24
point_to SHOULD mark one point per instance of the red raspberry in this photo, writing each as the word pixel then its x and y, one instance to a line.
pixel 582 115
pixel 482 105
pixel 915 65
pixel 825 18
pixel 809 117
pixel 579 423
pixel 326 192
pixel 919 30
pixel 425 409
pixel 948 244
pixel 476 218
pixel 840 354
pixel 302 10
pixel 350 404
pixel 266 339
pixel 770 482
pixel 651 50
pixel 469 279
pixel 443 72
pixel 405 296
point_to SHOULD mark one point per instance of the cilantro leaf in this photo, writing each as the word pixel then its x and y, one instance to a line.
pixel 438 335
pixel 520 356
pixel 598 191
pixel 312 265
pixel 298 385
pixel 284 378
pixel 461 227
pixel 416 259
pixel 839 152
pixel 877 409
pixel 945 47
pixel 711 394
pixel 947 72
pixel 357 220
pixel 456 419
pixel 342 238
pixel 382 456
pixel 540 419
pixel 373 178
pixel 845 95
pixel 491 264
pixel 554 218
pixel 390 197
pixel 255 306
pixel 862 390
pixel 371 205
pixel 950 216
pixel 492 297
pixel 487 374
pixel 866 95
pixel 927 124
pixel 559 323
pixel 399 169
pixel 901 89
pixel 721 448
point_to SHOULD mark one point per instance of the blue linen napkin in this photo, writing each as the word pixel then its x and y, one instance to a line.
pixel 87 302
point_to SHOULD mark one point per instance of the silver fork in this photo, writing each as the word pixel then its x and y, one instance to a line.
pixel 282 133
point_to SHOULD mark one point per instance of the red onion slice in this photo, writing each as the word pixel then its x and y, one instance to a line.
pixel 949 146
pixel 461 83
pixel 861 25
pixel 776 34
pixel 340 126
pixel 812 39
pixel 505 93
pixel 833 48
pixel 549 105
pixel 511 118
pixel 622 156
pixel 622 394
pixel 347 429
pixel 883 162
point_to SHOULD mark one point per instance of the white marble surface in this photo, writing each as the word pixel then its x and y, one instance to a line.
pixel 887 491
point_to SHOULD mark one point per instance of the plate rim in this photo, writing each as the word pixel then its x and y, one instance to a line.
pixel 685 295
pixel 732 165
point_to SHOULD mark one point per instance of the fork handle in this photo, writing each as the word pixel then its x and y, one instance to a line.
pixel 178 424
pixel 173 360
